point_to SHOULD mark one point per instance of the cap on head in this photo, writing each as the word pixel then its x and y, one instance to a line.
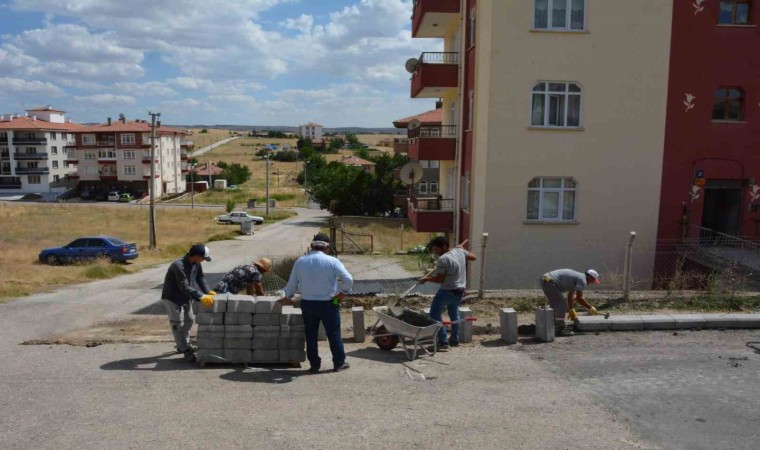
pixel 320 240
pixel 593 274
pixel 200 250
pixel 264 264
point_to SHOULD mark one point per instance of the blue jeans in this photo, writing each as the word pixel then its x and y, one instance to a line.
pixel 450 301
pixel 322 311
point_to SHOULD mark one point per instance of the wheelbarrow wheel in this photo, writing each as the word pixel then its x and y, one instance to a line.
pixel 386 343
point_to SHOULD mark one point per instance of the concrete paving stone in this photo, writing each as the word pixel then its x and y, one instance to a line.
pixel 238 356
pixel 750 321
pixel 210 342
pixel 508 325
pixel 238 331
pixel 266 332
pixel 241 305
pixel 268 343
pixel 291 316
pixel 203 329
pixel 266 356
pixel 288 331
pixel 715 321
pixel 292 356
pixel 238 319
pixel 545 324
pixel 268 305
pixel 466 328
pixel 209 319
pixel 265 320
pixel 239 343
pixel 626 323
pixel 592 323
pixel 292 342
pixel 357 315
pixel 658 322
pixel 685 321
pixel 219 306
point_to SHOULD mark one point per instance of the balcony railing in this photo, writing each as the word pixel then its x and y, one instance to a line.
pixel 30 156
pixel 439 58
pixel 3 139
pixel 107 143
pixel 10 186
pixel 33 170
pixel 430 202
pixel 5 155
pixel 29 141
pixel 433 131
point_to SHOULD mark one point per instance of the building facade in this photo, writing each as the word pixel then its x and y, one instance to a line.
pixel 429 185
pixel 33 151
pixel 311 131
pixel 116 156
pixel 554 133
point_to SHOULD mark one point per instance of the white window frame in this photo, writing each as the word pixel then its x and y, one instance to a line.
pixel 106 153
pixel 434 185
pixel 55 164
pixel 90 170
pixel 568 17
pixel 128 139
pixel 90 154
pixel 129 154
pixel 130 170
pixel 434 164
pixel 54 150
pixel 425 164
pixel 89 139
pixel 34 179
pixel 564 187
pixel 547 93
pixel 423 187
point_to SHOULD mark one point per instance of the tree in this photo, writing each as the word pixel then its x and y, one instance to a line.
pixel 352 140
pixel 343 184
pixel 285 156
pixel 336 144
pixel 276 135
pixel 304 143
pixel 203 131
pixel 362 153
pixel 234 173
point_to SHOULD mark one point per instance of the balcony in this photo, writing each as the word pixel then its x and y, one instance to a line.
pixel 32 170
pixel 434 18
pixel 431 213
pixel 106 143
pixel 71 158
pixel 30 156
pixel 146 159
pixel 400 145
pixel 433 143
pixel 436 74
pixel 29 141
pixel 10 186
pixel 4 139
pixel 109 161
pixel 108 176
pixel 184 156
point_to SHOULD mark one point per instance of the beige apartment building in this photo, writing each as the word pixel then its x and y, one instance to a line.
pixel 559 110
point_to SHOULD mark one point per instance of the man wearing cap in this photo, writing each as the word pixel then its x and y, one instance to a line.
pixel 247 275
pixel 317 274
pixel 556 283
pixel 184 282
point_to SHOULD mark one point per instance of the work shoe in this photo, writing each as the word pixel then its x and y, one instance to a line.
pixel 444 347
pixel 565 331
pixel 189 348
pixel 341 367
pixel 190 355
pixel 314 369
pixel 454 343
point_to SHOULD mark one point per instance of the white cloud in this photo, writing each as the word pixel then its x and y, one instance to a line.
pixel 19 86
pixel 74 43
pixel 106 100
pixel 304 23
pixel 149 89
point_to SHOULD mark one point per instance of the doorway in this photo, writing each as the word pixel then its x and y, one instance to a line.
pixel 722 208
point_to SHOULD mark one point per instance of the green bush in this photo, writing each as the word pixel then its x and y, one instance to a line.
pixel 230 206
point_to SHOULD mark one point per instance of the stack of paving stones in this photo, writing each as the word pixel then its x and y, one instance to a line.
pixel 243 329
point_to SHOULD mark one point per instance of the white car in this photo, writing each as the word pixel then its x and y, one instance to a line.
pixel 238 217
pixel 113 196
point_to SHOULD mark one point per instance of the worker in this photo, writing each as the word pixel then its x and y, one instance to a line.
pixel 317 275
pixel 247 275
pixel 451 272
pixel 556 283
pixel 185 282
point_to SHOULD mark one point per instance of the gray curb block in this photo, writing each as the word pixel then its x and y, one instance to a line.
pixel 668 322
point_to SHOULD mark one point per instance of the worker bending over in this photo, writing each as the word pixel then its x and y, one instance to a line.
pixel 247 276
pixel 556 283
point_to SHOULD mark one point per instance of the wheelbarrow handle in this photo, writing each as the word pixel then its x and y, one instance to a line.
pixel 466 319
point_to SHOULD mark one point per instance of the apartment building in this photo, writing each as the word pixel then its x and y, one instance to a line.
pixel 116 156
pixel 33 151
pixel 311 131
pixel 555 122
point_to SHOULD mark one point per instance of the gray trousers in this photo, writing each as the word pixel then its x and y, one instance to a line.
pixel 557 299
pixel 181 319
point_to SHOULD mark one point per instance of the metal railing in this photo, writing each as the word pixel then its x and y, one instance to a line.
pixel 439 58
pixel 701 237
pixel 33 170
pixel 36 156
pixel 10 186
pixel 29 141
pixel 107 143
pixel 433 131
pixel 430 202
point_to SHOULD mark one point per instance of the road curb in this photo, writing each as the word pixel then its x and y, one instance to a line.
pixel 668 322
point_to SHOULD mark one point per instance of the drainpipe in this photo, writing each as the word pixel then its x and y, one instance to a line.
pixel 460 124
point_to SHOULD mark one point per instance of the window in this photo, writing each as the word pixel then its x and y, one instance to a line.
pixel 128 139
pixel 423 187
pixel 734 12
pixel 90 154
pixel 433 187
pixel 31 150
pixel 551 199
pixel 559 15
pixel 556 105
pixel 56 178
pixel 34 179
pixel 471 112
pixel 106 153
pixel 3 136
pixel 728 104
pixel 473 29
pixel 55 164
pixel 88 139
pixel 90 170
pixel 129 154
pixel 130 170
pixel 54 150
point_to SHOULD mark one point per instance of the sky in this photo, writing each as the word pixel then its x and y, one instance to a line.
pixel 244 62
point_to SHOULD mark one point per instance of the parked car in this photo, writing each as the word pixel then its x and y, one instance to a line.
pixel 113 196
pixel 89 195
pixel 89 248
pixel 232 187
pixel 238 217
pixel 126 198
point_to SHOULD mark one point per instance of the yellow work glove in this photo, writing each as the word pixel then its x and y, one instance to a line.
pixel 592 311
pixel 211 292
pixel 572 315
pixel 207 301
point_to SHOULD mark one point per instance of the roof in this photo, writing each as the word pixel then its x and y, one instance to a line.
pixel 46 108
pixel 27 123
pixel 356 161
pixel 201 170
pixel 129 126
pixel 311 124
pixel 432 117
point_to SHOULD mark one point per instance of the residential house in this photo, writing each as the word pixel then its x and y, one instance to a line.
pixel 425 124
pixel 311 131
pixel 367 166
pixel 33 151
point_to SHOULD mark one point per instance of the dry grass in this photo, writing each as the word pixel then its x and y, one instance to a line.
pixel 374 140
pixel 28 229
pixel 205 139
pixel 388 240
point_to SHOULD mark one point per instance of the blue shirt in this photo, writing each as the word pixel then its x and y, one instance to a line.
pixel 317 274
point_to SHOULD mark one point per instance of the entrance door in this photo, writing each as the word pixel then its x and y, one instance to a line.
pixel 722 208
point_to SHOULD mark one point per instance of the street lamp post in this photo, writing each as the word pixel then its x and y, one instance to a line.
pixel 267 169
pixel 192 186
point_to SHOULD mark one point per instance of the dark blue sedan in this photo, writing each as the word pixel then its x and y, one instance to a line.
pixel 89 248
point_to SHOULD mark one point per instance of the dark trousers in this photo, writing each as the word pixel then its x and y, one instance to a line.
pixel 315 312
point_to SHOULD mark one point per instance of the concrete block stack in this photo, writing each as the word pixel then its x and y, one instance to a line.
pixel 244 329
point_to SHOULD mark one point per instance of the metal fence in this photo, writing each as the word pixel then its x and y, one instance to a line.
pixel 439 58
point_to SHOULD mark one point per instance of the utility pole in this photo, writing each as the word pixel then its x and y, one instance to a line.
pixel 267 158
pixel 152 185
pixel 192 186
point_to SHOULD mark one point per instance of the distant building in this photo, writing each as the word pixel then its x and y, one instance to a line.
pixel 311 131
pixel 206 169
pixel 367 166
pixel 33 151
pixel 430 125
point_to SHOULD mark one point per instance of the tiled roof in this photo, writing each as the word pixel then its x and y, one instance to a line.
pixel 46 108
pixel 130 126
pixel 432 117
pixel 201 170
pixel 311 124
pixel 356 161
pixel 27 123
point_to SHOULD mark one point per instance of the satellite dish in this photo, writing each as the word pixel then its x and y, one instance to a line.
pixel 411 173
pixel 414 123
pixel 411 65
